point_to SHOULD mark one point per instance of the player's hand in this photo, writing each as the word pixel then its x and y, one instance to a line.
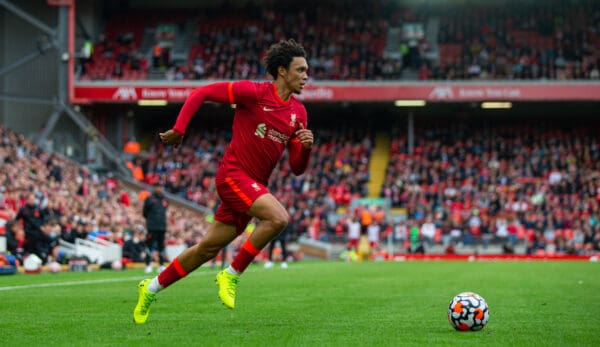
pixel 171 138
pixel 305 136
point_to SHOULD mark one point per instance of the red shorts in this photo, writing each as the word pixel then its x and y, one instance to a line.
pixel 237 192
pixel 353 243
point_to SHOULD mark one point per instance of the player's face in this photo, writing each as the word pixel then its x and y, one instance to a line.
pixel 297 75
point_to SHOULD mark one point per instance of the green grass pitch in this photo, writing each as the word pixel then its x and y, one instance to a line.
pixel 311 304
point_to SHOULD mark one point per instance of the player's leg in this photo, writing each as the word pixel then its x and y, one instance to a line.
pixel 160 248
pixel 269 262
pixel 245 198
pixel 217 237
pixel 149 251
pixel 273 219
pixel 284 253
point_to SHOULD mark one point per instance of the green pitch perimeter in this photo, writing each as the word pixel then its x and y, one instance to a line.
pixel 311 304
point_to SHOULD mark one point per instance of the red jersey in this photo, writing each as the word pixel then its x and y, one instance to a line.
pixel 263 126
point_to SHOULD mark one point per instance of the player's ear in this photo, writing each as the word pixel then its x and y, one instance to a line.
pixel 281 71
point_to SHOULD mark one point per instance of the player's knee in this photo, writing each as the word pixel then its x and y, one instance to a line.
pixel 280 221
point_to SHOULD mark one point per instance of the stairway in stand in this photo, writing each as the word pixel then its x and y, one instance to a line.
pixel 380 156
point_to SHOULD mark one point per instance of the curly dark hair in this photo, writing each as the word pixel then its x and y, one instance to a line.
pixel 281 54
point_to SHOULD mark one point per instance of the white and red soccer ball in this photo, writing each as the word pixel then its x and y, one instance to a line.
pixel 468 311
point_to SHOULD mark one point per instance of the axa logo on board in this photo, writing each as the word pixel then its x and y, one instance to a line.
pixel 125 93
pixel 441 93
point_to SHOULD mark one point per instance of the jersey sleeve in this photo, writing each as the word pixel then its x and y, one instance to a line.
pixel 221 92
pixel 243 92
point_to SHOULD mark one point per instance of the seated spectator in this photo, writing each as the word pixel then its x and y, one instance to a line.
pixel 134 249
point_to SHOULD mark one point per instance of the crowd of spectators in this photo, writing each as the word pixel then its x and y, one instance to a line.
pixel 537 182
pixel 45 197
pixel 340 45
pixel 525 183
pixel 551 40
pixel 534 183
pixel 228 43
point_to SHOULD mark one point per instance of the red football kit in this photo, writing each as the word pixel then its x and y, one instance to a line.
pixel 263 126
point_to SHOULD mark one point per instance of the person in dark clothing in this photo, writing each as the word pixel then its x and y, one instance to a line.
pixel 36 241
pixel 77 232
pixel 51 230
pixel 15 239
pixel 155 213
pixel 134 249
pixel 55 170
pixel 281 238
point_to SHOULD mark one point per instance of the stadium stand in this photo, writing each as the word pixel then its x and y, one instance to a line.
pixel 535 182
pixel 555 40
pixel 227 45
pixel 83 204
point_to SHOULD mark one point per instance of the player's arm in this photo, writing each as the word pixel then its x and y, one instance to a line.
pixel 221 92
pixel 19 214
pixel 299 149
pixel 146 207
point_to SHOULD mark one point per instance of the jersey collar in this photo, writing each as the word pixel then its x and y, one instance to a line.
pixel 283 102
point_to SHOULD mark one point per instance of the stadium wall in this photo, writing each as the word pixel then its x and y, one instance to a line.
pixel 38 79
pixel 87 16
pixel 2 50
pixel 34 79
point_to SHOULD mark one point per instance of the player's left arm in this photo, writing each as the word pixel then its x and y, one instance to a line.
pixel 299 149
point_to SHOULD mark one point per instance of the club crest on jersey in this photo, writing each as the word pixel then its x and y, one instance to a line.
pixel 293 120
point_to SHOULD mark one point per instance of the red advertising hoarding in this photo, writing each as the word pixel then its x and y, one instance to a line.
pixel 359 92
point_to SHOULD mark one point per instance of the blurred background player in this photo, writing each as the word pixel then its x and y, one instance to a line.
pixel 33 218
pixel 268 119
pixel 281 238
pixel 155 212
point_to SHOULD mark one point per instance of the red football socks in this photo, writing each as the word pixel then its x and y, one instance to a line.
pixel 244 257
pixel 173 273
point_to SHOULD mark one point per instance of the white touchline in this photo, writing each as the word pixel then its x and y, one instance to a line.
pixel 78 283
pixel 107 280
pixel 71 283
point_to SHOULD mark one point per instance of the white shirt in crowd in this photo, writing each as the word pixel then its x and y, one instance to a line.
pixel 501 227
pixel 428 230
pixel 373 232
pixel 353 230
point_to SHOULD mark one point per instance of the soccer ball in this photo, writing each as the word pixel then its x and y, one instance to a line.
pixel 468 311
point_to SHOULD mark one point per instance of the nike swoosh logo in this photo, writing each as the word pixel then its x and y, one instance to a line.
pixel 266 109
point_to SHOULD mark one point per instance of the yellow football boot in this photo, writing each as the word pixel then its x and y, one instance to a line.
pixel 227 284
pixel 145 299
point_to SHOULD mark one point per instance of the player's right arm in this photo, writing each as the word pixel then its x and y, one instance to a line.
pixel 221 92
